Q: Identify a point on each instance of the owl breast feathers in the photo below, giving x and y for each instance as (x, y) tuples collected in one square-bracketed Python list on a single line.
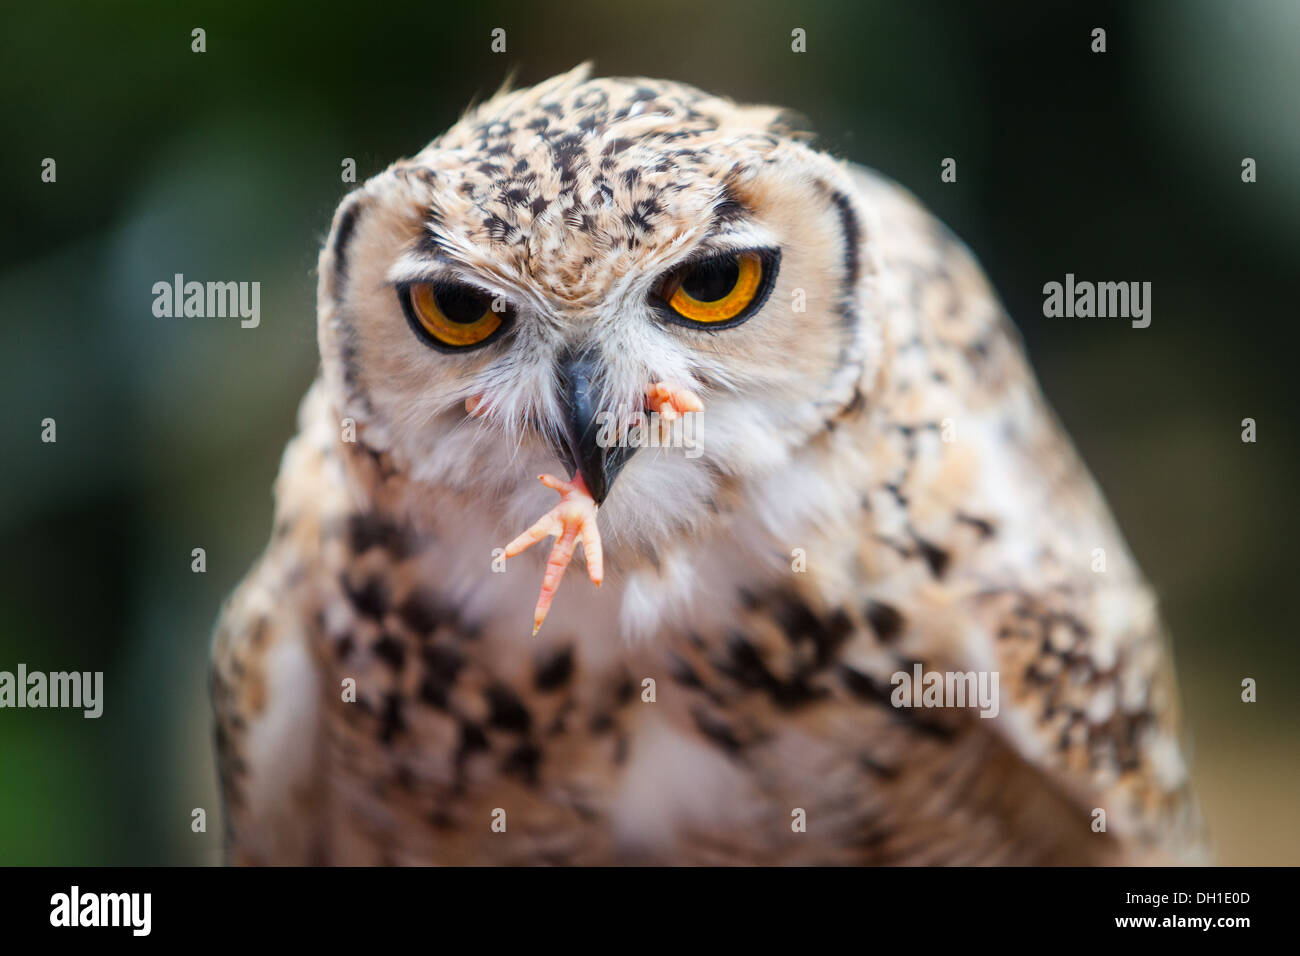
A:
[(851, 606)]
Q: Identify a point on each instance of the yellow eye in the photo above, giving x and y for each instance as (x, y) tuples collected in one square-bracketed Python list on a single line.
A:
[(454, 316), (719, 290)]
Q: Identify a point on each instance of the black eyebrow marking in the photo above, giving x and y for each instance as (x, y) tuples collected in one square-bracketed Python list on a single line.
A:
[(729, 210), (430, 247)]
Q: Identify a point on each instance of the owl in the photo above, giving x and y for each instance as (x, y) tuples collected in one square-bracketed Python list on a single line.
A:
[(853, 597)]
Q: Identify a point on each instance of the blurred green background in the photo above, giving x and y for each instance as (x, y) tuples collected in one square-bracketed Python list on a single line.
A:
[(225, 165)]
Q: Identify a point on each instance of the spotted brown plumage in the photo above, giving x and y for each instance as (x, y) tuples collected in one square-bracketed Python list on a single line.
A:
[(879, 486)]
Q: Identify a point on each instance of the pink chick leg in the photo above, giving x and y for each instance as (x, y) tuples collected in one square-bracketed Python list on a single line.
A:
[(670, 401), (572, 520)]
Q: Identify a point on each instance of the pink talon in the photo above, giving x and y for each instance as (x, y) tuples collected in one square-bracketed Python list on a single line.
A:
[(574, 518), (571, 521), (670, 401)]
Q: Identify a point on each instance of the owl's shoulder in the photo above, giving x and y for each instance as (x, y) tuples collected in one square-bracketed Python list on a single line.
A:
[(264, 662), (989, 544)]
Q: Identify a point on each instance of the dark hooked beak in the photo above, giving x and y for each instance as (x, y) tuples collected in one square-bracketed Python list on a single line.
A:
[(582, 404)]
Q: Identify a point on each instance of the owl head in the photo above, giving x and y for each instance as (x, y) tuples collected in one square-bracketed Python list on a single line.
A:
[(496, 305)]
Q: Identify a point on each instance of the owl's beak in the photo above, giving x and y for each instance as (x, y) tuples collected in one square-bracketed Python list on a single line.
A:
[(598, 462)]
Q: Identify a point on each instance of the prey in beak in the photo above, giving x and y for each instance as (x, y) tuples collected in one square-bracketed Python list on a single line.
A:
[(595, 467)]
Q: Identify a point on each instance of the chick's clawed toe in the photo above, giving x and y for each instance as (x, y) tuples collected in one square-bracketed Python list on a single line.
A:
[(670, 401), (574, 518), (571, 521)]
